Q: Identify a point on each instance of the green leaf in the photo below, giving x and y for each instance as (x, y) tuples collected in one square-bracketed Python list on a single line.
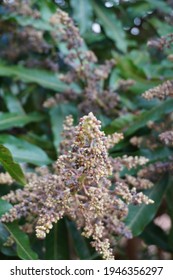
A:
[(9, 120), (161, 5), (154, 235), (82, 11), (4, 234), (161, 27), (43, 78), (23, 151), (13, 103), (130, 123), (4, 207), (8, 251), (10, 166), (169, 199), (139, 216), (57, 117), (39, 24), (24, 250), (57, 247), (79, 242), (47, 9), (158, 154), (120, 123), (154, 114), (129, 70), (138, 9), (112, 26)]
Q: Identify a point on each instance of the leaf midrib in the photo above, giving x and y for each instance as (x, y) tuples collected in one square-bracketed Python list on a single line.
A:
[(24, 118), (140, 210), (19, 73), (105, 19), (18, 242)]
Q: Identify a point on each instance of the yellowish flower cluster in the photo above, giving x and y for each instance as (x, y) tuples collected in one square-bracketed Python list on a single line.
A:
[(80, 188), (161, 92)]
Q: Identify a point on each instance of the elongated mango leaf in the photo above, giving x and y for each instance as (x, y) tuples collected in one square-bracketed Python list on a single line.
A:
[(150, 115), (24, 250), (163, 6), (13, 103), (23, 151), (139, 216), (162, 28), (39, 24), (131, 123), (154, 235), (120, 123), (9, 120), (159, 154), (10, 166), (43, 78), (56, 244), (6, 250), (57, 117), (47, 9), (79, 242), (4, 207), (82, 11), (129, 70), (111, 25), (169, 199)]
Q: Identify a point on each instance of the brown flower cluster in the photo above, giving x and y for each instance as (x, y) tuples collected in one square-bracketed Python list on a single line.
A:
[(167, 138), (153, 171), (80, 188), (161, 92), (161, 43), (22, 7), (6, 179), (83, 69), (33, 39), (156, 170)]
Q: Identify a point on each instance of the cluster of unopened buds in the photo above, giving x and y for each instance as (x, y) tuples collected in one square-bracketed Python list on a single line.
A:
[(96, 97), (161, 92), (83, 188)]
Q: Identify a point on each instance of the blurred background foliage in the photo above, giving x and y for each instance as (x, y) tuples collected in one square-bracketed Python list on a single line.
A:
[(32, 61)]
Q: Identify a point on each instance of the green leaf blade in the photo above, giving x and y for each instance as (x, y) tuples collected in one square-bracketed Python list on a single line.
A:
[(57, 117), (46, 79), (82, 14), (24, 151), (10, 120), (139, 216), (112, 26), (150, 115), (56, 243), (79, 242), (13, 103), (10, 166), (154, 235), (24, 250)]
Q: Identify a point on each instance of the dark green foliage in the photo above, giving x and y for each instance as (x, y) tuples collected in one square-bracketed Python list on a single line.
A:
[(30, 134), (10, 166), (140, 216), (23, 248)]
